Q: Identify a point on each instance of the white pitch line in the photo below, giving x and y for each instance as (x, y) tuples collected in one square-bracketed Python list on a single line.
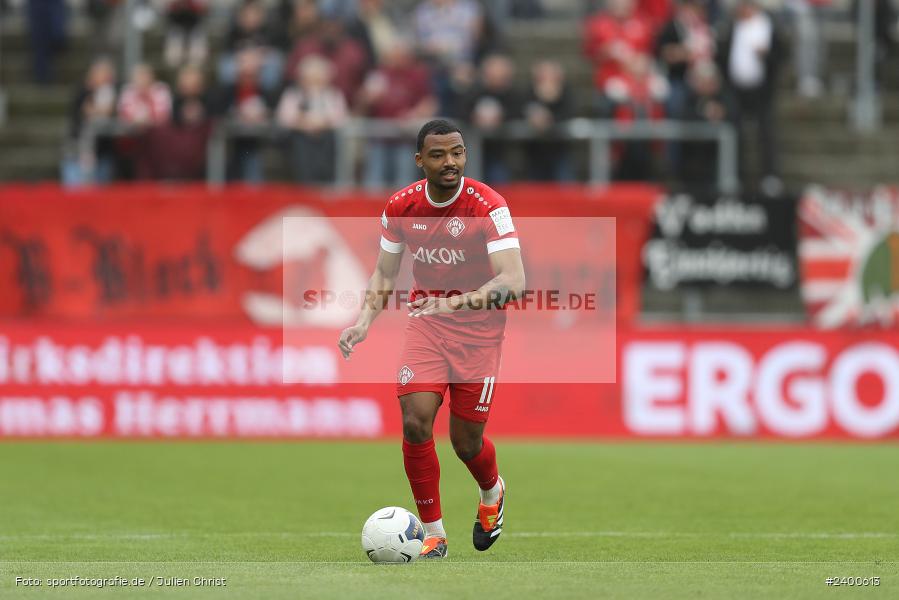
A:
[(452, 563), (514, 534), (822, 536)]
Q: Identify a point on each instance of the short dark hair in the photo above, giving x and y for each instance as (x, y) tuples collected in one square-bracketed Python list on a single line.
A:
[(436, 127)]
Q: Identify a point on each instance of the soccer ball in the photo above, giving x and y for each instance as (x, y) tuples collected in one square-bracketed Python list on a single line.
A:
[(392, 535)]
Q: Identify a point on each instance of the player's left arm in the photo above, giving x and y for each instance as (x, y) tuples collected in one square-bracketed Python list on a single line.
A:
[(507, 285)]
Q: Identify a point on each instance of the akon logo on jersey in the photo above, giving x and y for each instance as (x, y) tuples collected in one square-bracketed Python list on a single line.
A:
[(444, 256)]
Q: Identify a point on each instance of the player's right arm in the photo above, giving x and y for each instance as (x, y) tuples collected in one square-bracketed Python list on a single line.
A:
[(380, 287)]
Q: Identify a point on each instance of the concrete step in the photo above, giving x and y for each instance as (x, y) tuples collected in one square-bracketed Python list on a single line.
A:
[(34, 131), (35, 100), (855, 150), (30, 163), (841, 136), (839, 172)]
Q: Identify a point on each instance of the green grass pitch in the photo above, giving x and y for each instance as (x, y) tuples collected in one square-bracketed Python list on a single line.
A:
[(710, 520)]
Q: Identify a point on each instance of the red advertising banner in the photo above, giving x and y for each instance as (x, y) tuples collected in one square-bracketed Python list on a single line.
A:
[(790, 383), (223, 382), (189, 252), (227, 382)]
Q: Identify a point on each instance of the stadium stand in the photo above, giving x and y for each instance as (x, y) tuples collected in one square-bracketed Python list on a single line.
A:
[(816, 135)]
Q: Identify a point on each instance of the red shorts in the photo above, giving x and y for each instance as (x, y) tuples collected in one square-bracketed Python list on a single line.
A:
[(432, 364)]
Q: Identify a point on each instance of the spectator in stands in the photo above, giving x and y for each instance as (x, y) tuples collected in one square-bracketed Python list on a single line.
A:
[(250, 28), (90, 159), (47, 27), (145, 102), (186, 37), (685, 40), (749, 57), (108, 26), (809, 49), (375, 28), (311, 110), (885, 31), (247, 102), (549, 101), (346, 56), (301, 19), (705, 104), (619, 43), (655, 12), (192, 104), (494, 102), (177, 150), (400, 88), (448, 33)]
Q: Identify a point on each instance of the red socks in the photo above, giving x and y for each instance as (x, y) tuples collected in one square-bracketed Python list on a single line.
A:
[(483, 466), (423, 471)]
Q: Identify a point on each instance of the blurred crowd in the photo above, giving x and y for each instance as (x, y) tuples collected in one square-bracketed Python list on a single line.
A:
[(303, 68)]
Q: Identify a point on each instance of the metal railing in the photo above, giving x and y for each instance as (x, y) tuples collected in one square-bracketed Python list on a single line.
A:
[(599, 135), (865, 111), (2, 93)]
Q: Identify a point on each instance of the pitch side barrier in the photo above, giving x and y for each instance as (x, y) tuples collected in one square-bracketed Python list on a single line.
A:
[(599, 135), (143, 381)]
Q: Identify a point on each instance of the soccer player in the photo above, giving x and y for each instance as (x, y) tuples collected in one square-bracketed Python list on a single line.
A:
[(467, 266)]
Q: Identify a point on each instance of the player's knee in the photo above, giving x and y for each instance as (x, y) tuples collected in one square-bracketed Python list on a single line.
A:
[(466, 446), (416, 429)]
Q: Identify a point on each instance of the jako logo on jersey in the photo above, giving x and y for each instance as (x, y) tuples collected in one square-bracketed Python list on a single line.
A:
[(406, 375), (420, 226), (455, 226), (441, 256)]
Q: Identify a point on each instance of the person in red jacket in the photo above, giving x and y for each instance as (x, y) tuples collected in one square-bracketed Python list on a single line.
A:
[(400, 89), (619, 41)]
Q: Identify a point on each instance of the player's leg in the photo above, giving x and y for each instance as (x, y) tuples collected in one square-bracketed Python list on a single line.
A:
[(471, 401), (479, 455), (422, 466)]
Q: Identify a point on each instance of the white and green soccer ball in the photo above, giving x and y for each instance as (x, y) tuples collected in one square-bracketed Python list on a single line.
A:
[(393, 535)]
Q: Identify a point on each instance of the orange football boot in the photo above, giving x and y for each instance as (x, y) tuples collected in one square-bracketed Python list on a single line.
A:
[(433, 547), (489, 524)]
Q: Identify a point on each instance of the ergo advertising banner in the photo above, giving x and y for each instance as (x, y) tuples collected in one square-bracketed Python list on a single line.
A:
[(117, 382)]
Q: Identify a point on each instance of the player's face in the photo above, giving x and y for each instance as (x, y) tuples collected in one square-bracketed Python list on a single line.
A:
[(443, 159)]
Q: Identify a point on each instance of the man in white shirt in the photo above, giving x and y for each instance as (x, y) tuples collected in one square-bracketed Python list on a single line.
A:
[(749, 56)]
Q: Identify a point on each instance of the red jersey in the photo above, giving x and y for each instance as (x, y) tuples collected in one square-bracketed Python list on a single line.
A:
[(603, 30), (450, 242)]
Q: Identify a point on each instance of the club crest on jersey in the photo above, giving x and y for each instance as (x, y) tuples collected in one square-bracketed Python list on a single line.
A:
[(405, 375), (455, 226)]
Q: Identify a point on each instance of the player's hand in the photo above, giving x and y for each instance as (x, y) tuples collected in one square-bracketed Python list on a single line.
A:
[(430, 305), (349, 337)]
